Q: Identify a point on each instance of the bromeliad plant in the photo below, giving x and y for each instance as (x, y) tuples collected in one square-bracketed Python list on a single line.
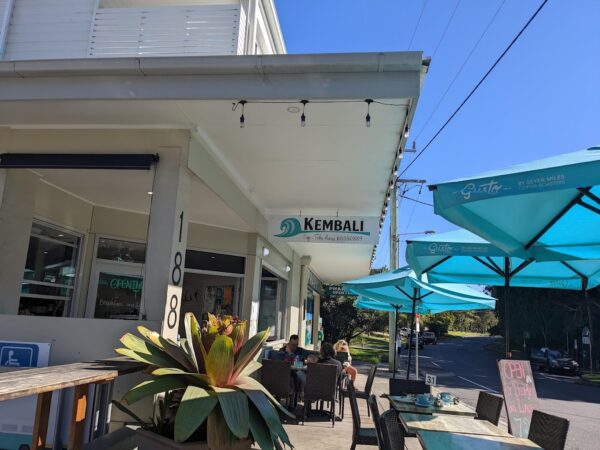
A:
[(213, 365)]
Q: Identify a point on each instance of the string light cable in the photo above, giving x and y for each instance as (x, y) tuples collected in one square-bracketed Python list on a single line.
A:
[(490, 70)]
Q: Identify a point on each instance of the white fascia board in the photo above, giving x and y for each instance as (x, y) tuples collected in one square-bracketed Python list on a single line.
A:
[(274, 77)]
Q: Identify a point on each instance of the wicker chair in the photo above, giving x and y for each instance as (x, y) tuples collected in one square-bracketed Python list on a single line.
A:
[(489, 407), (392, 431), (321, 384), (548, 431), (360, 436), (404, 387), (360, 394), (341, 357), (276, 376), (374, 408)]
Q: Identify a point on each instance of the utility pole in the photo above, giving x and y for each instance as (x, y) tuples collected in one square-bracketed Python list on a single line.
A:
[(393, 266)]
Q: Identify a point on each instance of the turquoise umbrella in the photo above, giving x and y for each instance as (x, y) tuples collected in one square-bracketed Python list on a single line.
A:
[(463, 257), (401, 289), (547, 209)]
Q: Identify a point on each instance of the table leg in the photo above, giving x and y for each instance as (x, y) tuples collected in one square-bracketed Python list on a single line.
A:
[(42, 415), (78, 417)]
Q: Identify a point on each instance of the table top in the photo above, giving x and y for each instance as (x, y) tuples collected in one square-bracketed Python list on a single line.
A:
[(23, 383), (449, 423), (460, 410), (439, 440)]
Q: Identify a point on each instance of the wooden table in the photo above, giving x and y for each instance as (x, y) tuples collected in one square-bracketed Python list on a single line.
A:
[(439, 440), (43, 381), (449, 423), (460, 410)]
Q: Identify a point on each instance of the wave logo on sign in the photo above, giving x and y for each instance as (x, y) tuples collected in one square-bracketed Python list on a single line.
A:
[(291, 226)]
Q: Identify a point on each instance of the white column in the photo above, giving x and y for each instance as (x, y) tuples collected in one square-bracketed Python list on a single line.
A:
[(167, 241), (17, 200), (304, 276)]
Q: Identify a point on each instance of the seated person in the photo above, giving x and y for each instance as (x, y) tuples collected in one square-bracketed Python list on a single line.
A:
[(292, 349), (327, 354), (342, 346)]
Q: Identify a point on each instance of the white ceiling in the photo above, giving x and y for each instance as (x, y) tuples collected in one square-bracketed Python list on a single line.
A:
[(128, 190), (334, 165)]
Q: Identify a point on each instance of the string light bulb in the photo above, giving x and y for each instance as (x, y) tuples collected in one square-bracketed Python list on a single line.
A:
[(303, 116), (242, 118), (406, 131), (368, 116)]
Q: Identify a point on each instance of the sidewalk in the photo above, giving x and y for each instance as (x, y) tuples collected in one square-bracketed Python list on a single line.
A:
[(317, 433)]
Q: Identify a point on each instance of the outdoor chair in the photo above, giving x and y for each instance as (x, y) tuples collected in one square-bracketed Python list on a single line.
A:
[(489, 407), (392, 431), (342, 357), (276, 355), (360, 394), (548, 431), (360, 436), (321, 384), (276, 377), (374, 408), (400, 387)]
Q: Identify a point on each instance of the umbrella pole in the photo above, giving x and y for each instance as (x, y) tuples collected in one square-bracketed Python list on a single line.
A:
[(412, 321), (395, 340), (589, 314), (506, 308)]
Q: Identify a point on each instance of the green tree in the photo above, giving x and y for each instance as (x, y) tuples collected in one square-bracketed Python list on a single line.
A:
[(342, 320)]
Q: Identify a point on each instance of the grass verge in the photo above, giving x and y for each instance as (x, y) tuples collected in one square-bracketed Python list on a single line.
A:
[(592, 378), (369, 349)]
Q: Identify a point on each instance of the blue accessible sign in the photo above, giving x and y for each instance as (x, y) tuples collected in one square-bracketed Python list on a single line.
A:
[(16, 354)]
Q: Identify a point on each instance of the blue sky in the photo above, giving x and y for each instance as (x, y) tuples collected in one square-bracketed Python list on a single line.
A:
[(543, 99)]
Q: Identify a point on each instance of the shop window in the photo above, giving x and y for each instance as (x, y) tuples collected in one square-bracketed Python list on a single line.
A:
[(50, 271), (214, 262), (272, 304), (117, 281)]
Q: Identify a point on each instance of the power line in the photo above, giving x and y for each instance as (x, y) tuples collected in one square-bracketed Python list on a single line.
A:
[(445, 30), (417, 201), (417, 24), (457, 74), (476, 87)]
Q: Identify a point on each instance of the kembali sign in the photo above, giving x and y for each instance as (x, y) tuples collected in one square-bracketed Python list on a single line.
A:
[(325, 229)]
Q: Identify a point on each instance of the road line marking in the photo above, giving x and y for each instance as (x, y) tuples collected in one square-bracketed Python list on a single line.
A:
[(480, 385), (435, 364)]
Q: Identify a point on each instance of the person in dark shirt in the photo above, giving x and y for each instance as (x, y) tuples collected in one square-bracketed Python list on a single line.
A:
[(327, 354), (293, 349)]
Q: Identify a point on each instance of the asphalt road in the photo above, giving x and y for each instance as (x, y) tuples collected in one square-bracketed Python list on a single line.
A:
[(466, 367)]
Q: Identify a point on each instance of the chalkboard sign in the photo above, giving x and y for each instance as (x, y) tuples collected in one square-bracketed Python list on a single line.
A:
[(520, 396)]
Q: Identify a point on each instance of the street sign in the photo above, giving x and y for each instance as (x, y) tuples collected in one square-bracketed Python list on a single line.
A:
[(585, 336), (430, 380)]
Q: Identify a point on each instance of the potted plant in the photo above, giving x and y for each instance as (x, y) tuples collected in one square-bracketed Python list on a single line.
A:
[(209, 389)]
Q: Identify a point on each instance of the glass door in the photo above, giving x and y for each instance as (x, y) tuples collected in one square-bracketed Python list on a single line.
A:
[(117, 291)]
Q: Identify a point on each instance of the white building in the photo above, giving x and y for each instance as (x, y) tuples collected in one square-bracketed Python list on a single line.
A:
[(179, 197)]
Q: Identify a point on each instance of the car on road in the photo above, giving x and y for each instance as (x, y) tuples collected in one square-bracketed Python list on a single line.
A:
[(414, 340), (550, 360), (429, 337)]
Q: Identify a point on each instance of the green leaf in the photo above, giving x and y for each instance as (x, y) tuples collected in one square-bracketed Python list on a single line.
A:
[(130, 413), (252, 367), (189, 354), (219, 362), (234, 406), (192, 332), (268, 413), (150, 336), (140, 345), (259, 429), (199, 378), (152, 360), (219, 435), (246, 383), (249, 351), (152, 387), (196, 404)]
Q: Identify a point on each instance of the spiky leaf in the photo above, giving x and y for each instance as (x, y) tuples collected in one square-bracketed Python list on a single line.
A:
[(259, 429), (196, 378), (152, 387), (152, 360), (248, 351), (196, 404), (219, 362), (218, 433), (268, 413), (247, 383), (252, 367), (234, 406)]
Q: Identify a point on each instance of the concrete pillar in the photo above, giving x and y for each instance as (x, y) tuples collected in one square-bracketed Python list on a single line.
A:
[(316, 315), (167, 241), (252, 276), (304, 276), (17, 199), (293, 296)]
